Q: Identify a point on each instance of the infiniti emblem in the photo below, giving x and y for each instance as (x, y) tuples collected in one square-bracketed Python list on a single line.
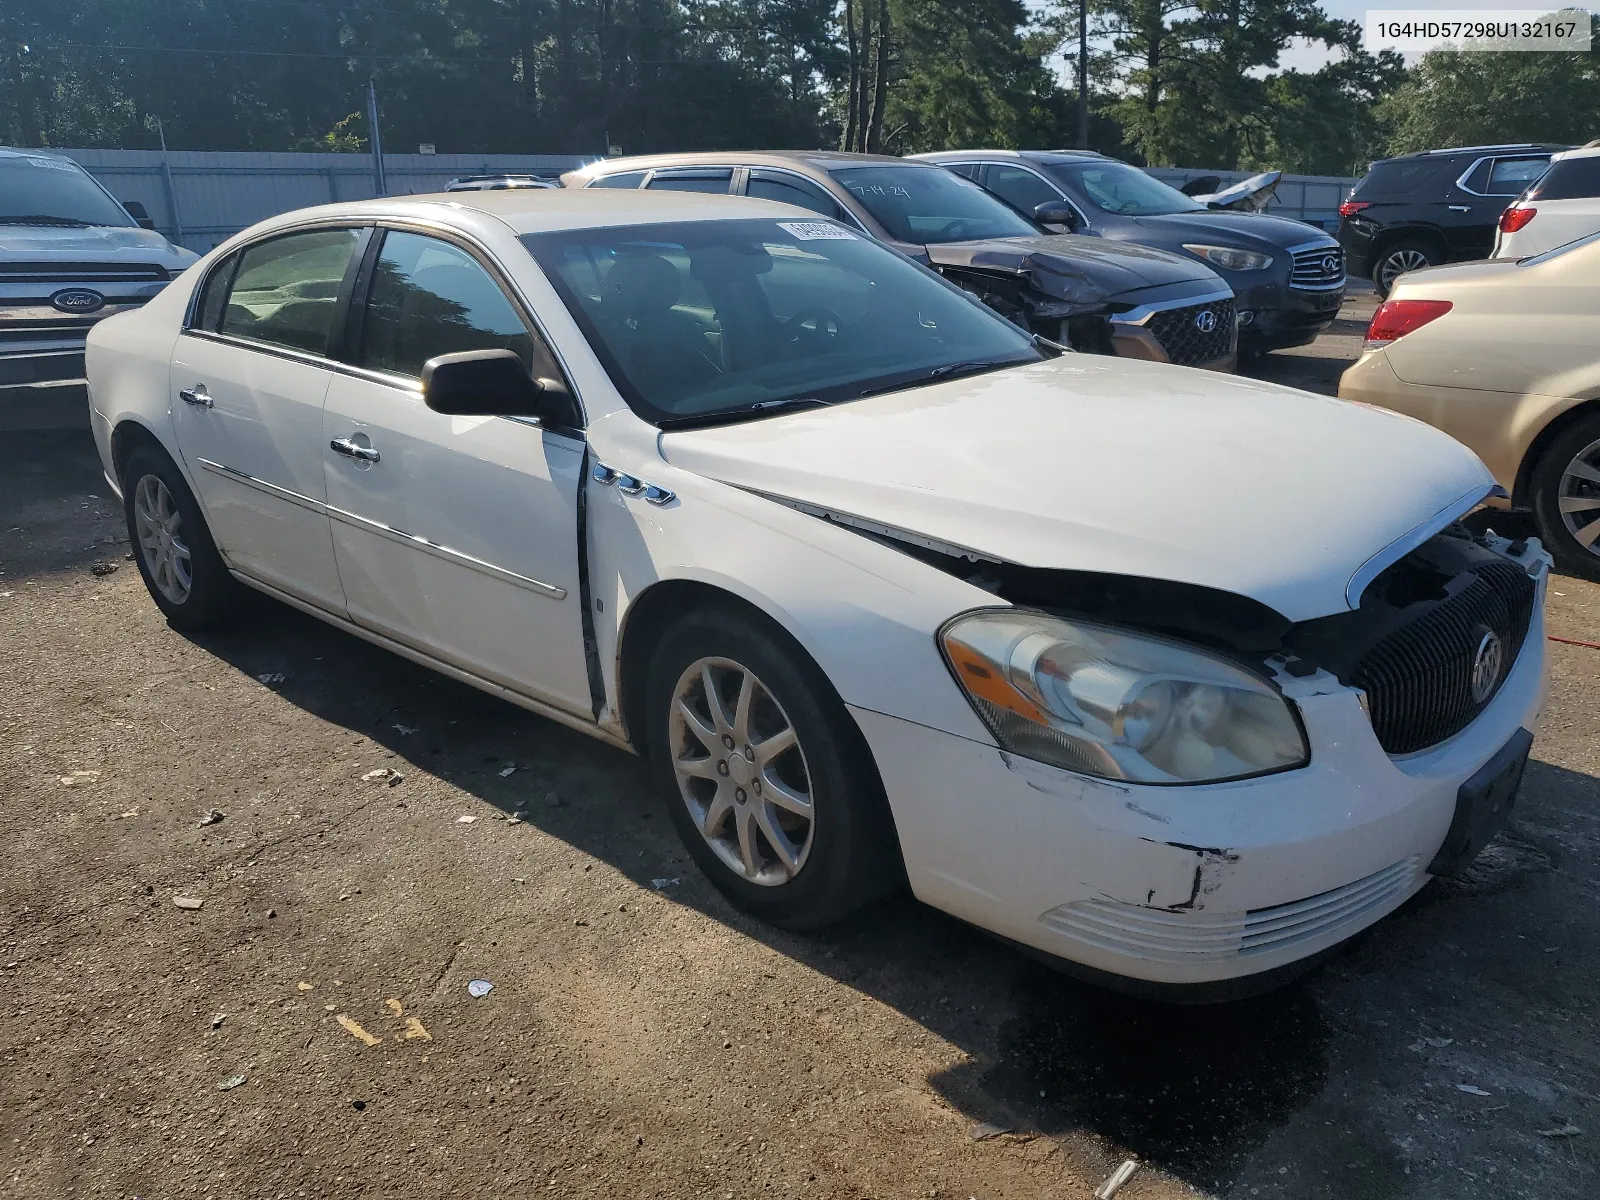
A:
[(78, 300), (1486, 665), (1205, 321), (1330, 264)]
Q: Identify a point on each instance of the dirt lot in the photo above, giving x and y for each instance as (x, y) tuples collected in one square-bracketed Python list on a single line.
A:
[(641, 1038)]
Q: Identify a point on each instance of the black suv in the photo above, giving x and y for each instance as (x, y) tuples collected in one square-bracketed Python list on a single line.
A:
[(1435, 206)]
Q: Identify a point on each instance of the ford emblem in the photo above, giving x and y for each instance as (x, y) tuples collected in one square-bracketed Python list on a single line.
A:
[(78, 300), (1331, 264), (1205, 321)]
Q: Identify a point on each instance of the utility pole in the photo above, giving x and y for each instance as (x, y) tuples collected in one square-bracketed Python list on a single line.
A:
[(379, 182), (1083, 74)]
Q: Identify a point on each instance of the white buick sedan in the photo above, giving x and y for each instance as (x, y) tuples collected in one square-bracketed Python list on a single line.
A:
[(1178, 678)]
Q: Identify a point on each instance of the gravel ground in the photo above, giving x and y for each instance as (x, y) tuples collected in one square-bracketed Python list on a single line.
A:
[(642, 1038)]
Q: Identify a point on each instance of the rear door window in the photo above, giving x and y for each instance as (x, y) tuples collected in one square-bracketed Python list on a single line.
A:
[(1569, 179), (711, 180), (790, 189), (429, 297), (286, 291)]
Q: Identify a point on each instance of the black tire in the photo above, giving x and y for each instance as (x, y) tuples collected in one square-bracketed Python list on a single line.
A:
[(1407, 254), (852, 853), (212, 593), (1582, 439)]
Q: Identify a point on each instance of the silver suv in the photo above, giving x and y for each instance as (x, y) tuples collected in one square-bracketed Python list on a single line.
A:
[(70, 255)]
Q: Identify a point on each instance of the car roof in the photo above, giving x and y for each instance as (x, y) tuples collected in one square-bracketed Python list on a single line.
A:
[(1580, 152), (1046, 156), (540, 210), (1507, 147), (819, 159)]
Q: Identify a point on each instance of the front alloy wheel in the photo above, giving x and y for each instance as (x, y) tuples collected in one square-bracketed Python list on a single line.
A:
[(741, 771), (159, 527)]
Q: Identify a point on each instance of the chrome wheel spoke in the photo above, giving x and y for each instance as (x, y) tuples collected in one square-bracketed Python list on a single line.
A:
[(745, 819), (770, 748), (706, 735), (1588, 535), (741, 709), (1572, 504), (716, 813), (1578, 469), (714, 705), (783, 796), (788, 854), (697, 768)]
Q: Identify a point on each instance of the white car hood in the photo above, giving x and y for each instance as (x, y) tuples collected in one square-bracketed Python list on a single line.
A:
[(1101, 464), (101, 243)]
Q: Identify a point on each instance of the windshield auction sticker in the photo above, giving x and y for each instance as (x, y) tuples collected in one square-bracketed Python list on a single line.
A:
[(1418, 30), (816, 231)]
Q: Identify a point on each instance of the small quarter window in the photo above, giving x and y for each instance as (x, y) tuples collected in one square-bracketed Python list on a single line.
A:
[(286, 291), (622, 179), (208, 312), (1509, 176), (430, 297)]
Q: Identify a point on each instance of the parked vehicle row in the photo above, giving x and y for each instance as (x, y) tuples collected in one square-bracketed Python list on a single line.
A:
[(1436, 206), (1088, 293), (885, 587)]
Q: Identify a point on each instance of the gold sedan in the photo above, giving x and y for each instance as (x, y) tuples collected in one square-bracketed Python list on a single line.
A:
[(1505, 357)]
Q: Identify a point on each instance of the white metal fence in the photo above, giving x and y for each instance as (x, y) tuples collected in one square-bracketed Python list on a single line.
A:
[(198, 198)]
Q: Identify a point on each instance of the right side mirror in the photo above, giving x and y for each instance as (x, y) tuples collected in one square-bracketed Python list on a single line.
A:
[(139, 213), (494, 383), (1058, 212)]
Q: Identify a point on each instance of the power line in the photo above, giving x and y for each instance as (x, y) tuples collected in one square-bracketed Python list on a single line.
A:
[(420, 56)]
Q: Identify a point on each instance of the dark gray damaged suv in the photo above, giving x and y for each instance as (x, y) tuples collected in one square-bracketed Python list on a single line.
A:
[(1287, 277)]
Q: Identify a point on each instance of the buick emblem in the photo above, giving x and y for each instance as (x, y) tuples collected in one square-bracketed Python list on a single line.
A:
[(78, 300), (1486, 666), (1330, 264), (1205, 321)]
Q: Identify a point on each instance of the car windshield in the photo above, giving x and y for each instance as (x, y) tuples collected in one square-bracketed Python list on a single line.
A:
[(36, 190), (704, 321), (929, 205), (1116, 187)]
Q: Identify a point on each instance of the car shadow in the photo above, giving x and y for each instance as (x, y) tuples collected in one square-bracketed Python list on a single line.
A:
[(1197, 1091)]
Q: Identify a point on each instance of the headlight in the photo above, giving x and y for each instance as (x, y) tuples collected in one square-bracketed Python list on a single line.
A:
[(1117, 704), (1231, 259)]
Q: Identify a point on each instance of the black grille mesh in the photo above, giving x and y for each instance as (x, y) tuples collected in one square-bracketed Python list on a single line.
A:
[(67, 273), (1185, 343), (1418, 679)]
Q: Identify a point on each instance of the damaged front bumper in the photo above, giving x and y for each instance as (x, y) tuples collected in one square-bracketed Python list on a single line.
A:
[(1190, 885)]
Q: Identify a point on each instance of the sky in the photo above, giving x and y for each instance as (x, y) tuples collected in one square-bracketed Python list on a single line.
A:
[(1310, 57)]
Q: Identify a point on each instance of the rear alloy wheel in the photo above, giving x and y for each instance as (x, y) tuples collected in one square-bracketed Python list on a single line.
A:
[(768, 781), (1566, 498), (177, 559), (1396, 261)]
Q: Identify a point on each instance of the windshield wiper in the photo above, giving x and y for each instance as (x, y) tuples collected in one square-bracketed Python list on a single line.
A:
[(44, 219), (949, 371), (762, 408)]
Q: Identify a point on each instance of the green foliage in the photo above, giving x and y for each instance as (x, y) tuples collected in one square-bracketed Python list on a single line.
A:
[(1461, 99)]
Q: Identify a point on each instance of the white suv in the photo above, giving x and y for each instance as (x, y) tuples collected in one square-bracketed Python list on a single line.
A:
[(1561, 206)]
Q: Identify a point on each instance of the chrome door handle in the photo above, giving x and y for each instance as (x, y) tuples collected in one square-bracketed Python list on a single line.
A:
[(1460, 207), (197, 396), (349, 449)]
